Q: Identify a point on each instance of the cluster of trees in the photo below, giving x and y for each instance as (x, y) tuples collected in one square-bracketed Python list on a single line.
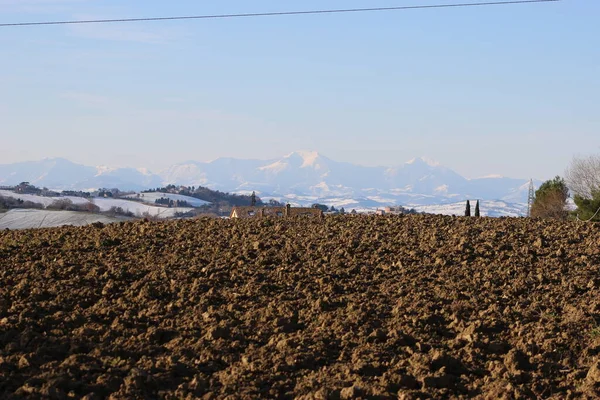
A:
[(110, 193), (582, 182), (27, 188), (165, 201), (172, 189), (275, 203), (106, 193), (328, 209), (409, 211), (68, 205), (114, 211), (76, 193), (8, 203), (219, 199)]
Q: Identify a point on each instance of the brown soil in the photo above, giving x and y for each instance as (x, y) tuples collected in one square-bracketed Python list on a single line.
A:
[(348, 307)]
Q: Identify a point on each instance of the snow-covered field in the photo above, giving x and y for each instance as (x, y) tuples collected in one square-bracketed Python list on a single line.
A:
[(150, 198), (45, 201), (105, 204), (28, 218), (138, 209)]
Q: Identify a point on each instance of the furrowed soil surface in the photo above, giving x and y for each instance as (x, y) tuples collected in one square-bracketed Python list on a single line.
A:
[(347, 307)]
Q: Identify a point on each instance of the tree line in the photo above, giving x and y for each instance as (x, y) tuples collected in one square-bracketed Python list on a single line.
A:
[(209, 195)]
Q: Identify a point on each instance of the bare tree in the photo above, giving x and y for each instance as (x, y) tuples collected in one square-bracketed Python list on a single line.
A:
[(583, 176)]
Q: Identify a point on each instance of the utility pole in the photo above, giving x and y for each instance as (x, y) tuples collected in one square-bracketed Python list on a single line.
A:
[(530, 198)]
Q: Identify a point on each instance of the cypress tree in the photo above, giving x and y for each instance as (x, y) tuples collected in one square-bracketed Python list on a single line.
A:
[(253, 199), (477, 209), (468, 209)]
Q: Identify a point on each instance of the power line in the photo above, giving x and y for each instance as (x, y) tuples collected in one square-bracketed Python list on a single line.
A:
[(273, 14), (591, 218)]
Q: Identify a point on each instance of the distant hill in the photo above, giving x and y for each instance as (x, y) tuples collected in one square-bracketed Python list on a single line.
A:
[(210, 200), (155, 197)]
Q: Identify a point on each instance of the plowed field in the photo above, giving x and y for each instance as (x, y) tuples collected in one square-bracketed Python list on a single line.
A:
[(347, 307)]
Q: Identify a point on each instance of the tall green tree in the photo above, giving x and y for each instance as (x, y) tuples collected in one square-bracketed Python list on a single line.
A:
[(468, 209), (551, 200), (477, 214), (587, 208)]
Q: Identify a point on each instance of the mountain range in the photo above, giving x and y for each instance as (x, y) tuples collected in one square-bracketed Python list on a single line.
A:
[(300, 177)]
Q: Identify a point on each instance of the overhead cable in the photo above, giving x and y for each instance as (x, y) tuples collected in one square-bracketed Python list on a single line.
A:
[(273, 14)]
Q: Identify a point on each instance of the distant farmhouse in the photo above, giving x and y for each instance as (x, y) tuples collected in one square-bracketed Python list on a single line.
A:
[(263, 212), (398, 210)]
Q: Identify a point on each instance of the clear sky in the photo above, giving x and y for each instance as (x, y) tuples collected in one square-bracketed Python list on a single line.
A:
[(511, 90)]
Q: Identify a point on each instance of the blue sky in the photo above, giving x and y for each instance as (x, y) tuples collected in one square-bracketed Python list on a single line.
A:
[(511, 90)]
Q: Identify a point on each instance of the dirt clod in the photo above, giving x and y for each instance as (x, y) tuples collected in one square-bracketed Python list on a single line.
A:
[(351, 392), (593, 375)]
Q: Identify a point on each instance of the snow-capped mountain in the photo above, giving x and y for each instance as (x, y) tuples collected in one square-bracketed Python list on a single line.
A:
[(418, 181), (53, 172), (58, 173), (300, 177)]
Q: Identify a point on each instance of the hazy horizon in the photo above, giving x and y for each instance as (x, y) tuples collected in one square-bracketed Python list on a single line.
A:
[(507, 90), (427, 160)]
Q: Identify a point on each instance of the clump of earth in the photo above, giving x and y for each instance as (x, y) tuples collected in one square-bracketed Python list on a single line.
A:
[(342, 308)]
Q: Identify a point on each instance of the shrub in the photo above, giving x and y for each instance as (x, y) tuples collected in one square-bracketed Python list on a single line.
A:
[(114, 211), (551, 200), (62, 204)]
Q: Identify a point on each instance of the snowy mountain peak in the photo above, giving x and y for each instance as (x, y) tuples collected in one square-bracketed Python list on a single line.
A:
[(276, 167), (492, 176), (144, 171), (103, 169), (57, 160), (423, 160), (296, 160), (309, 158)]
